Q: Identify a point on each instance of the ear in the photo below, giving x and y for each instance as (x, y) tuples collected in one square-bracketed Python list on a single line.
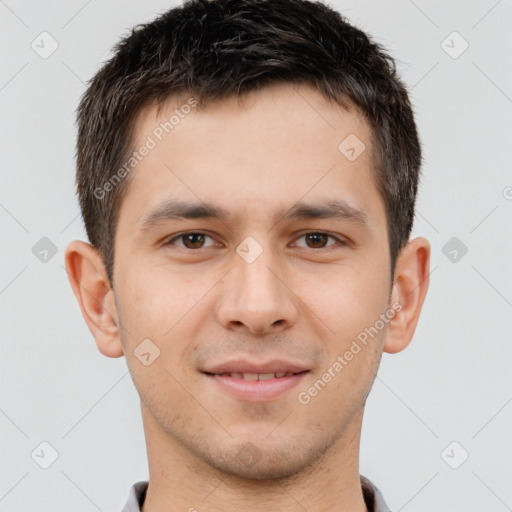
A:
[(90, 284), (408, 294)]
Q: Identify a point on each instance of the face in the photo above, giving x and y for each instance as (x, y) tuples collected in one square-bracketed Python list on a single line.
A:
[(250, 246)]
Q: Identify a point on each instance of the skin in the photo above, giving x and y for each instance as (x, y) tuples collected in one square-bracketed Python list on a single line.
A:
[(302, 300)]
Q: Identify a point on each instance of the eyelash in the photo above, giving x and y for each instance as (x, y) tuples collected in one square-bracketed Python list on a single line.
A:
[(341, 242)]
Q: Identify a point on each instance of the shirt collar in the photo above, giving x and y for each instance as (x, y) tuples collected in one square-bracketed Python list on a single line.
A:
[(372, 497)]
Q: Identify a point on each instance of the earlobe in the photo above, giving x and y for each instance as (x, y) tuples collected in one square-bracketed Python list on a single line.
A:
[(408, 294), (90, 284)]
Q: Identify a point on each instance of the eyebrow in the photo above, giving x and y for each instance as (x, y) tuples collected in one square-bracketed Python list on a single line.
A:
[(335, 209), (179, 210)]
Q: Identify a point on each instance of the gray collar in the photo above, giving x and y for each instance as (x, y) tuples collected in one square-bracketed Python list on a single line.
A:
[(372, 496)]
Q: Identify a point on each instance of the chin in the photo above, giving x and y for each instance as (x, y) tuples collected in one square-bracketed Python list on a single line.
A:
[(255, 462), (260, 471)]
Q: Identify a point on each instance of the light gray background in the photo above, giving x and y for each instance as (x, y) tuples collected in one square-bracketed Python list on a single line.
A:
[(451, 384)]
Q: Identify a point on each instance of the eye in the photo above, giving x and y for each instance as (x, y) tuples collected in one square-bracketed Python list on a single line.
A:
[(196, 240), (191, 240), (318, 239)]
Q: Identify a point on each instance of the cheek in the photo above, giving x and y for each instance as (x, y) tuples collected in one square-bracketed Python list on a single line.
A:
[(153, 300), (156, 323), (163, 308), (351, 299)]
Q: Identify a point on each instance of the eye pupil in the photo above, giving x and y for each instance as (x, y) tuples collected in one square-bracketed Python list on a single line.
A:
[(315, 237), (197, 240)]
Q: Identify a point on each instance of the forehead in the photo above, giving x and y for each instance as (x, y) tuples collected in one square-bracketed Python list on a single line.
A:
[(256, 155)]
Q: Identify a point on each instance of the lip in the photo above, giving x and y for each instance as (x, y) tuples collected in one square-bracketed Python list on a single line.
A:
[(257, 390), (242, 366)]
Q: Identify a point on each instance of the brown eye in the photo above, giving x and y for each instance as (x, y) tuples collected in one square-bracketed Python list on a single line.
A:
[(191, 240), (318, 240)]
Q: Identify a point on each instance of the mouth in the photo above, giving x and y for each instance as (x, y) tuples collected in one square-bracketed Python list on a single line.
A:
[(255, 376), (256, 383)]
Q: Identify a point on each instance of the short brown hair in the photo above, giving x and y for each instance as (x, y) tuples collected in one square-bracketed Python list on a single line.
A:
[(213, 49)]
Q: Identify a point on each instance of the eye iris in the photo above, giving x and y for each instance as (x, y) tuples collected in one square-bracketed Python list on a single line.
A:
[(315, 238), (197, 240)]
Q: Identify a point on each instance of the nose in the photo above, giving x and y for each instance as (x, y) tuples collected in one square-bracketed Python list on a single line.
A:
[(256, 298)]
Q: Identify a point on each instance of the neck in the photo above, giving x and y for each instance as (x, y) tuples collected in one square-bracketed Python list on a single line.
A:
[(179, 481)]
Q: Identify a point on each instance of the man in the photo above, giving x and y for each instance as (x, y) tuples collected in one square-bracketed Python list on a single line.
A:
[(247, 173)]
